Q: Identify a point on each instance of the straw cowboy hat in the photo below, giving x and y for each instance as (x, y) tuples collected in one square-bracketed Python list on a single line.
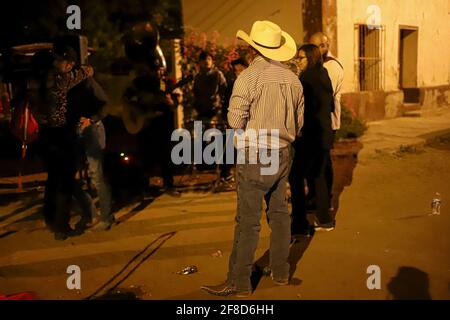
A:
[(272, 42)]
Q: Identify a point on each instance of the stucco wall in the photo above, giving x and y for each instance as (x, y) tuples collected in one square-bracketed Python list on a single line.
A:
[(227, 16), (374, 105), (431, 17)]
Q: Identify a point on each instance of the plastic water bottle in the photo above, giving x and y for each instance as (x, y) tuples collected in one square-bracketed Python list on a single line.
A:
[(436, 205)]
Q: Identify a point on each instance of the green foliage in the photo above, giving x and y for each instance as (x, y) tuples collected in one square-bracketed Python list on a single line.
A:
[(352, 126)]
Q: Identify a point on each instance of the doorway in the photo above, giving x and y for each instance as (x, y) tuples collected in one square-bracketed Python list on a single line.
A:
[(409, 40)]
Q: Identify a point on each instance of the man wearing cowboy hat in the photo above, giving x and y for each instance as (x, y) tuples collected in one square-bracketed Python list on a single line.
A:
[(267, 97)]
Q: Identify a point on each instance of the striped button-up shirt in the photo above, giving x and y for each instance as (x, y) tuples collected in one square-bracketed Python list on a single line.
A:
[(267, 96)]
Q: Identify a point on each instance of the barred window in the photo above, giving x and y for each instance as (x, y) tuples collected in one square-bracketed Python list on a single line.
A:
[(370, 51)]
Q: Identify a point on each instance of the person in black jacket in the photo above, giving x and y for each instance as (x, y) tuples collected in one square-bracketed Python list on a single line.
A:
[(312, 149), (209, 88), (54, 76), (86, 102)]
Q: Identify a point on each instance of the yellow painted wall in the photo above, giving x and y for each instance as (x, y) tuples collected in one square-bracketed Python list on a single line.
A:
[(432, 17), (228, 16)]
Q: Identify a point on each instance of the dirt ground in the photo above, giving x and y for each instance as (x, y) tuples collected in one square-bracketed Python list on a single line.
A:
[(382, 216)]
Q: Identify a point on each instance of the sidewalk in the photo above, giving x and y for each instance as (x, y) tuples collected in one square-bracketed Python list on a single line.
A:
[(390, 135)]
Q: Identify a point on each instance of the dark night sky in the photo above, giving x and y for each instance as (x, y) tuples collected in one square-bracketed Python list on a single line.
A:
[(25, 21)]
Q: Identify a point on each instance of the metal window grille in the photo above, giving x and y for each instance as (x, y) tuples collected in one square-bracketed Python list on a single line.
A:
[(370, 52)]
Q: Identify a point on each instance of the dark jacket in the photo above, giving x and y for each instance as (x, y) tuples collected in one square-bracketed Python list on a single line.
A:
[(209, 90), (87, 99), (319, 103)]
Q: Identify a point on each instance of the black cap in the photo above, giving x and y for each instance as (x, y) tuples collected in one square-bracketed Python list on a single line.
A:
[(204, 54), (239, 61)]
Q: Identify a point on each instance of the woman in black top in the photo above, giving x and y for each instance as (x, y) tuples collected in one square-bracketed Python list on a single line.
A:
[(54, 77), (312, 149)]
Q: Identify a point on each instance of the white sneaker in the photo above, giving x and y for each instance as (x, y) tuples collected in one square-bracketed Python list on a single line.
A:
[(325, 227)]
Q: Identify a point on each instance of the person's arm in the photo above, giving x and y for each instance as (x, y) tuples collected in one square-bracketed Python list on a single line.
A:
[(300, 111), (323, 92), (222, 84), (336, 116), (100, 97), (71, 79), (336, 74), (84, 123), (196, 90), (240, 101)]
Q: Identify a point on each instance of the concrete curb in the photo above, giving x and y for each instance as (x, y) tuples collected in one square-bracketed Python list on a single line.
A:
[(403, 134)]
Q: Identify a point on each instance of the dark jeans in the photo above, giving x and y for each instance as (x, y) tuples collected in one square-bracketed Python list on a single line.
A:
[(103, 190), (155, 148), (84, 199), (93, 144), (329, 171), (59, 154), (309, 163), (252, 188), (329, 176)]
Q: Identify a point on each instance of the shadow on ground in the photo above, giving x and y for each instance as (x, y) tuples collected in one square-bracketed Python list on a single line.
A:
[(262, 269), (128, 270), (410, 284), (345, 159)]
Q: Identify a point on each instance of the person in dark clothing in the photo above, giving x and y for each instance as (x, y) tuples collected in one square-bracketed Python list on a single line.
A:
[(161, 129), (86, 102), (336, 73), (312, 149), (48, 93), (148, 97), (209, 88), (237, 65)]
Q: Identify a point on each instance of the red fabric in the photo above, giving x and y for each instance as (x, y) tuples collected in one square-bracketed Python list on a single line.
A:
[(23, 117), (20, 296)]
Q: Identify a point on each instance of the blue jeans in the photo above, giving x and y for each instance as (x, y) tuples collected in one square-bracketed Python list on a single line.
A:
[(252, 188), (84, 199), (93, 141)]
